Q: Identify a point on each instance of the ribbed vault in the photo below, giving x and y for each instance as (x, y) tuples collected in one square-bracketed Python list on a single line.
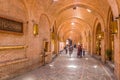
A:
[(82, 13)]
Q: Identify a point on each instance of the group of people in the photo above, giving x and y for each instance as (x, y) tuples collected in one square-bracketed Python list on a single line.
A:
[(70, 48), (80, 50)]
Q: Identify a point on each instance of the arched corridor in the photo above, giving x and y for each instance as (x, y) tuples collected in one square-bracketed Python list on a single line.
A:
[(34, 32)]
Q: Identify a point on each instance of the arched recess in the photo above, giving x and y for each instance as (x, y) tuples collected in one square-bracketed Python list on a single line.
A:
[(54, 39), (93, 32), (112, 30), (44, 32), (98, 39)]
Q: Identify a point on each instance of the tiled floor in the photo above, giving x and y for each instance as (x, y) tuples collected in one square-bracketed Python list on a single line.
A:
[(65, 67)]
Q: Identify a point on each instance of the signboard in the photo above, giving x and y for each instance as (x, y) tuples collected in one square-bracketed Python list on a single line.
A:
[(10, 25)]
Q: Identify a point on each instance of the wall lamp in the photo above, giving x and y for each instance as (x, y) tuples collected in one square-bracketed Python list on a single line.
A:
[(35, 29), (114, 29)]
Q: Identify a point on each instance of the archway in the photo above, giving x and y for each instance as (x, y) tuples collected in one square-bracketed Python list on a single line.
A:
[(112, 28), (44, 32), (44, 29), (98, 39)]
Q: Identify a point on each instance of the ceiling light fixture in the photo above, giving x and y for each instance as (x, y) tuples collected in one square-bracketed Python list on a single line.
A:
[(73, 23), (95, 66), (55, 0), (72, 59), (89, 10)]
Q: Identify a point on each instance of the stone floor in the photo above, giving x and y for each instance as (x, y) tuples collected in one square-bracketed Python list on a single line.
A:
[(65, 67)]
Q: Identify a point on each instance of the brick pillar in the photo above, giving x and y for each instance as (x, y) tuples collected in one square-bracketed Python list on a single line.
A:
[(117, 52), (117, 59), (106, 41), (103, 50), (92, 44), (56, 44), (89, 44), (91, 51)]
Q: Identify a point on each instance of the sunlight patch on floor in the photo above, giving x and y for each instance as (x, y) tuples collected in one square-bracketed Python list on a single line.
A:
[(30, 78), (72, 66), (95, 66), (72, 59), (86, 58)]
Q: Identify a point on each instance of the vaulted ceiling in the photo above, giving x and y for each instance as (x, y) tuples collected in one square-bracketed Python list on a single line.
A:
[(72, 17)]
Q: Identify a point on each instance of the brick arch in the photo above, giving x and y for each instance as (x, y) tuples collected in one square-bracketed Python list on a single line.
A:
[(110, 18), (82, 5), (60, 26), (94, 33), (30, 6), (73, 30), (58, 32), (26, 9), (45, 15), (78, 4), (96, 27), (78, 36), (44, 26), (114, 4)]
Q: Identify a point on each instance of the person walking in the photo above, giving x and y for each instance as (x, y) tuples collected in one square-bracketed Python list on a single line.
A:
[(70, 50), (83, 51), (79, 52), (65, 49), (74, 45)]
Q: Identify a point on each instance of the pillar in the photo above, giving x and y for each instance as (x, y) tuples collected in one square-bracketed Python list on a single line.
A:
[(117, 52), (103, 50)]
